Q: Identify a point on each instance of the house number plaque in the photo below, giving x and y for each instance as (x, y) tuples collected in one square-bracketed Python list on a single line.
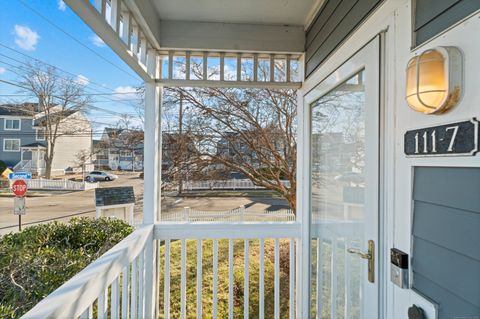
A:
[(454, 139)]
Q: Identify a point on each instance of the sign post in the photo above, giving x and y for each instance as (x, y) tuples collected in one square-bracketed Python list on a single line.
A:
[(19, 188)]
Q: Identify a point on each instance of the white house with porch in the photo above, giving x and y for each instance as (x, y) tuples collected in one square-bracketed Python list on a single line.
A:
[(396, 81)]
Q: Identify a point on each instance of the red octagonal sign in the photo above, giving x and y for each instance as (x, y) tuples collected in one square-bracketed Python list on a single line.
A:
[(19, 188)]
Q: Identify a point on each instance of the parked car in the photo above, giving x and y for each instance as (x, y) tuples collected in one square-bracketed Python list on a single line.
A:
[(100, 176)]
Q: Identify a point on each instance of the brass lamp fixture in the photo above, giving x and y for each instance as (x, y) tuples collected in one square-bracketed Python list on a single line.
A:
[(434, 80)]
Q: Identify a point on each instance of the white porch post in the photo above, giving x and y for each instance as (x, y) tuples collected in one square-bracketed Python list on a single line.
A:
[(303, 209), (152, 171), (152, 156)]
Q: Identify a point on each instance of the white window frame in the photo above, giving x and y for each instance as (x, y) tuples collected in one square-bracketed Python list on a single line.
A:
[(12, 139), (36, 134), (12, 119)]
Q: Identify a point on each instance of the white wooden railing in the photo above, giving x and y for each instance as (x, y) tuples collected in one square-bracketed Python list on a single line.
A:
[(239, 214), (233, 184), (118, 284), (248, 234), (60, 184), (122, 283)]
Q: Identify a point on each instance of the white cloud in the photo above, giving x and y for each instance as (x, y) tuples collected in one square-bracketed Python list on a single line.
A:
[(61, 5), (125, 92), (2, 70), (82, 80), (97, 41), (25, 37)]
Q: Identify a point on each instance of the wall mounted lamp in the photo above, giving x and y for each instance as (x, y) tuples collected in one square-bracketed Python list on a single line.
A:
[(435, 80)]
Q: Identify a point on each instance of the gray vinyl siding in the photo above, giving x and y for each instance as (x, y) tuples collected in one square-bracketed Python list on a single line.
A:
[(27, 135), (446, 239), (434, 16), (335, 21)]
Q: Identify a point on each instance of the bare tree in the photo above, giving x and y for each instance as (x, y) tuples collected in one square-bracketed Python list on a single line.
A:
[(58, 98), (251, 131)]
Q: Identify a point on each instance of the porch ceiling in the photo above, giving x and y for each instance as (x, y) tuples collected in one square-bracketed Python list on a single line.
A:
[(276, 12)]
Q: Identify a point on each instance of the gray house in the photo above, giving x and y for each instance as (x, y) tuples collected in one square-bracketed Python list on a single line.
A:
[(23, 146)]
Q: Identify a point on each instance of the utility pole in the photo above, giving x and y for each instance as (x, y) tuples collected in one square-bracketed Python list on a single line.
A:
[(180, 139)]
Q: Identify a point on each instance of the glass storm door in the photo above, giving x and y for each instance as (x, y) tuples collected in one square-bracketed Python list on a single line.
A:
[(344, 145)]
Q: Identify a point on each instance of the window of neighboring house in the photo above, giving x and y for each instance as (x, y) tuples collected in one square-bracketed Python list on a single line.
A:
[(12, 124), (11, 145), (40, 134), (125, 154)]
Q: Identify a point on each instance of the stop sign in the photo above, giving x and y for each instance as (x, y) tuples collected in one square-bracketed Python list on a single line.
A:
[(19, 188)]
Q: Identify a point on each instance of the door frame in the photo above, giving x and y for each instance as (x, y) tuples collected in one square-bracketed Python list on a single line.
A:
[(382, 21), (367, 58)]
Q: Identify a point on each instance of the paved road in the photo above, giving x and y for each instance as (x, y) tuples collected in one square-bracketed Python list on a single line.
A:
[(65, 206)]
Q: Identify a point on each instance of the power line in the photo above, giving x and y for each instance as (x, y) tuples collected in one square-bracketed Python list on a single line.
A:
[(93, 94), (61, 98), (75, 39)]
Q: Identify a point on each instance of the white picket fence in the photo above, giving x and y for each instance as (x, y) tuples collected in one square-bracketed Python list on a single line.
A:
[(239, 214), (233, 184), (60, 184)]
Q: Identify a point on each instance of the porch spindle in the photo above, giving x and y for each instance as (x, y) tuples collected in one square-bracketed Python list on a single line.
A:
[(262, 280), (125, 291), (103, 304), (166, 284), (141, 285), (230, 278), (215, 278), (277, 280), (199, 279), (88, 313), (319, 277), (134, 287), (115, 296), (333, 280), (291, 284), (183, 281), (246, 280)]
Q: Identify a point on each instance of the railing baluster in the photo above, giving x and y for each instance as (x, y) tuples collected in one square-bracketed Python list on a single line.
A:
[(88, 313), (246, 279), (277, 280), (239, 67), (183, 281), (205, 65), (319, 278), (222, 66), (230, 278), (292, 280), (347, 265), (115, 296), (125, 291), (333, 289), (262, 280), (166, 287), (272, 68), (215, 278), (134, 288), (141, 285), (170, 65), (287, 75), (199, 279), (187, 65), (103, 304)]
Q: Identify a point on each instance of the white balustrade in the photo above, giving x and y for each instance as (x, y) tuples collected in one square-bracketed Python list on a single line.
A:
[(97, 287)]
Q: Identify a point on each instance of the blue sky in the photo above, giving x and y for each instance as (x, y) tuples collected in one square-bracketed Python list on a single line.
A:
[(25, 31)]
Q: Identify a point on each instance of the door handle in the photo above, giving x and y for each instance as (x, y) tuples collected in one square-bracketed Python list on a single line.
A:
[(370, 256)]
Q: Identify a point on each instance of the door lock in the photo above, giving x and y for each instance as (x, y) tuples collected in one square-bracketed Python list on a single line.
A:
[(370, 256)]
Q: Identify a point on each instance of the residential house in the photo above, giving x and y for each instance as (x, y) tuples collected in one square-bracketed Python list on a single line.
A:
[(119, 149), (23, 142), (399, 78)]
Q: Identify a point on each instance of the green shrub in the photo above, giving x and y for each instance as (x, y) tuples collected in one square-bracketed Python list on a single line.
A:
[(3, 166), (38, 260)]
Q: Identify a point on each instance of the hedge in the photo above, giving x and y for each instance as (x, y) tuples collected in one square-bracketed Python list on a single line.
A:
[(38, 260)]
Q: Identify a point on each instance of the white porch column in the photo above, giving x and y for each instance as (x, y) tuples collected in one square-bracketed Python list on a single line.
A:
[(152, 184), (303, 209), (152, 144)]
